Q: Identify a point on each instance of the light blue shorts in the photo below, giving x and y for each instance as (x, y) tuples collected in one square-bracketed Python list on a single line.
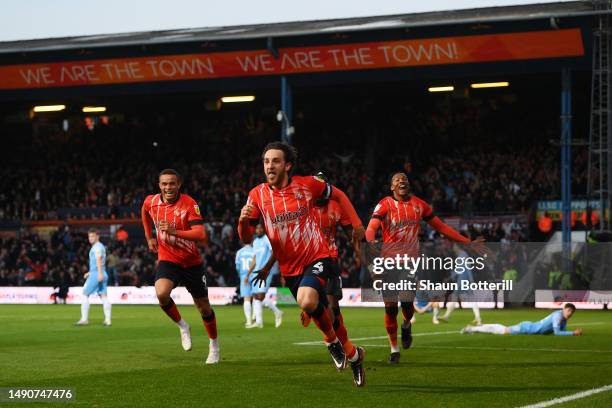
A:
[(245, 289), (93, 286), (256, 289)]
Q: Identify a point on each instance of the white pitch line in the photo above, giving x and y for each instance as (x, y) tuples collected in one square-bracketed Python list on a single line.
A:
[(550, 350), (375, 345), (414, 335), (554, 350), (494, 348), (572, 397), (318, 343)]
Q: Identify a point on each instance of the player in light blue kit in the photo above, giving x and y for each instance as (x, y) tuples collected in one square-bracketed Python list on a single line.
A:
[(245, 262), (459, 275), (263, 259), (553, 323), (97, 279), (425, 302)]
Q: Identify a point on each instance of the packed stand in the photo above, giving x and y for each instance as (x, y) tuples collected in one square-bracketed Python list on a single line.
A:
[(472, 161)]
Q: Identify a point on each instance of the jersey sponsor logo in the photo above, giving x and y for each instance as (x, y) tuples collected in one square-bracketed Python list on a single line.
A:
[(403, 223), (289, 215), (196, 209)]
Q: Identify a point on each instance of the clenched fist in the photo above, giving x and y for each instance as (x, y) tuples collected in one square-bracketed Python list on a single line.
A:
[(245, 213), (152, 244), (166, 227)]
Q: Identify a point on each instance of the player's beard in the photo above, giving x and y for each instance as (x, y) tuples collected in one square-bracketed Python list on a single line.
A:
[(277, 181)]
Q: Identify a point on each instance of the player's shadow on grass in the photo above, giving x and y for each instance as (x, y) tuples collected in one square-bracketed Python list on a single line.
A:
[(445, 389)]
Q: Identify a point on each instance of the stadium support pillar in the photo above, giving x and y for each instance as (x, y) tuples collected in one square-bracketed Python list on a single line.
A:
[(600, 137), (287, 109), (566, 166)]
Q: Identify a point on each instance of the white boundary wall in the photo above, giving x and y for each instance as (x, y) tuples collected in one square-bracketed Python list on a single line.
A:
[(131, 295)]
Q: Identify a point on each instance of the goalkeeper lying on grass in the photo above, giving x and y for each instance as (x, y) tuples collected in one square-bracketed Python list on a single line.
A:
[(553, 323)]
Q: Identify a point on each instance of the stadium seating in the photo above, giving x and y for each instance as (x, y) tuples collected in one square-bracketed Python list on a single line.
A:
[(106, 173)]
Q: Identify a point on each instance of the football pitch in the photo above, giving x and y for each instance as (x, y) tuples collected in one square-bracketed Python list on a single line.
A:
[(139, 362)]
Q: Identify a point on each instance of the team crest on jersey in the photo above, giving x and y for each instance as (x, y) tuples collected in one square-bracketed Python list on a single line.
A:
[(299, 195), (197, 209), (177, 213)]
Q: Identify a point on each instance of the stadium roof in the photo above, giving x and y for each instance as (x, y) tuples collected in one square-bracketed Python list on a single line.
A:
[(481, 15)]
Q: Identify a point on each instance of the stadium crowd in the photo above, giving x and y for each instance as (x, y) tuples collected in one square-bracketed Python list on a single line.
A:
[(465, 163), (32, 260), (106, 171)]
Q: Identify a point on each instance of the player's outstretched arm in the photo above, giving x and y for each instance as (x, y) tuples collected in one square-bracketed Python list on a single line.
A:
[(373, 227), (558, 330), (148, 230), (448, 231), (346, 207), (452, 234), (195, 233), (349, 211)]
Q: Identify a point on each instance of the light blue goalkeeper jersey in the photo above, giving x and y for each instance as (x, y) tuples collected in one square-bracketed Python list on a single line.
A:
[(553, 323)]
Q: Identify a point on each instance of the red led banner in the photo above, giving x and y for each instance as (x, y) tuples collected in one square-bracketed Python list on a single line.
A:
[(359, 56)]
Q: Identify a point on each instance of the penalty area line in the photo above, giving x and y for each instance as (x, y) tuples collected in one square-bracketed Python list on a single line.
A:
[(571, 397)]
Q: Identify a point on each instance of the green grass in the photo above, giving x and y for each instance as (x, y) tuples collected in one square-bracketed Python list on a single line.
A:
[(139, 362)]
